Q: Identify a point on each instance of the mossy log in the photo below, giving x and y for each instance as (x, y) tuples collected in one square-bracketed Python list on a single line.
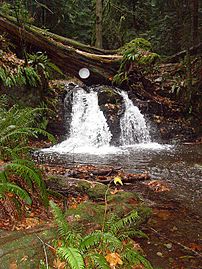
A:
[(68, 54)]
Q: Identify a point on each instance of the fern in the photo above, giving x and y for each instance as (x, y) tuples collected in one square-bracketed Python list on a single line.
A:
[(134, 257), (99, 261), (19, 77), (137, 52), (122, 223), (91, 240), (72, 256), (40, 61), (92, 248), (31, 75), (9, 187), (111, 241), (27, 171), (64, 230), (131, 233), (16, 126)]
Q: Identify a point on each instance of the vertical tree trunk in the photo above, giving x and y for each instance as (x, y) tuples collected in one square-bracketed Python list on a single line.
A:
[(195, 11), (98, 29)]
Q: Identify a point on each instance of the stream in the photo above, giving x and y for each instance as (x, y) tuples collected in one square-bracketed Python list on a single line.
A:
[(174, 230), (180, 166)]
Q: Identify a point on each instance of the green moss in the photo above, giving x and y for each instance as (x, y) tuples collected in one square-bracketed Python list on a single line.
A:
[(23, 249), (137, 43)]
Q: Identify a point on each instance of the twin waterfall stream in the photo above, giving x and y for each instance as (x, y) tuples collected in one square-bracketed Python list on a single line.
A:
[(90, 133)]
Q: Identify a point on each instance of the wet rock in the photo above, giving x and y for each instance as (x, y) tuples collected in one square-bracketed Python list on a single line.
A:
[(111, 103)]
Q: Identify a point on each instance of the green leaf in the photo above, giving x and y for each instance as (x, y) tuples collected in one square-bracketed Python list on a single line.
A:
[(9, 187), (91, 240), (99, 261), (72, 256)]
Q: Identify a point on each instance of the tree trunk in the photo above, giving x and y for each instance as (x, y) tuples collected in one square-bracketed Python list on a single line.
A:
[(68, 54), (98, 28), (195, 11)]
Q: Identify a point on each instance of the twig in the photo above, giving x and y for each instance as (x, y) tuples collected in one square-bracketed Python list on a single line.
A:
[(44, 249)]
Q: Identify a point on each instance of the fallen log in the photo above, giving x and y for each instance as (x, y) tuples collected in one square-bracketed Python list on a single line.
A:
[(68, 54), (75, 186), (126, 178)]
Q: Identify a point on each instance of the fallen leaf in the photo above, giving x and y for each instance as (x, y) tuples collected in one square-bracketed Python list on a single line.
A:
[(13, 265), (114, 259), (195, 247), (158, 186), (139, 266), (58, 264), (118, 180), (114, 191)]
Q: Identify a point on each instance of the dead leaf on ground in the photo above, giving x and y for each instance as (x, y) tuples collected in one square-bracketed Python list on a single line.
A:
[(13, 265), (195, 247), (114, 259), (58, 264), (158, 186), (139, 266)]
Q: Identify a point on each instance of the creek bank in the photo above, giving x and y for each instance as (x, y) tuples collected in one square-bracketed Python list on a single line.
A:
[(174, 229), (84, 210)]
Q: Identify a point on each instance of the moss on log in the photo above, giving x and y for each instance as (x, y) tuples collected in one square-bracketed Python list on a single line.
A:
[(68, 54)]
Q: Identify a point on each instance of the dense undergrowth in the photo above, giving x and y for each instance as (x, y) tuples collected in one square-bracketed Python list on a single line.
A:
[(19, 176)]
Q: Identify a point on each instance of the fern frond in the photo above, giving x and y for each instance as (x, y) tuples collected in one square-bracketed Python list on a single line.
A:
[(122, 223), (72, 256), (3, 177), (91, 240), (38, 131), (134, 257), (31, 76), (64, 230), (111, 241), (9, 187), (132, 233), (30, 174), (99, 261)]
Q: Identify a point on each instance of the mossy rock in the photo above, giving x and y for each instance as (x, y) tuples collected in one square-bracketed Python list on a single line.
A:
[(67, 185), (108, 95), (94, 191), (90, 214)]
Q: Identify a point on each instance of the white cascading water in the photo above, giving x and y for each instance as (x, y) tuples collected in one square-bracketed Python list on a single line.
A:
[(89, 129), (133, 125)]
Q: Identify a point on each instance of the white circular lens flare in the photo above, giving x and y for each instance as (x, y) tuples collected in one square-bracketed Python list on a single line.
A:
[(84, 73)]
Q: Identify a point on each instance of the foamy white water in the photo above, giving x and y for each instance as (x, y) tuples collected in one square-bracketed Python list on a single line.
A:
[(152, 146), (89, 131), (133, 125)]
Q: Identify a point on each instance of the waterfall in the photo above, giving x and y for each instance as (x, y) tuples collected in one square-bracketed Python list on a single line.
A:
[(89, 131), (133, 124), (88, 127)]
